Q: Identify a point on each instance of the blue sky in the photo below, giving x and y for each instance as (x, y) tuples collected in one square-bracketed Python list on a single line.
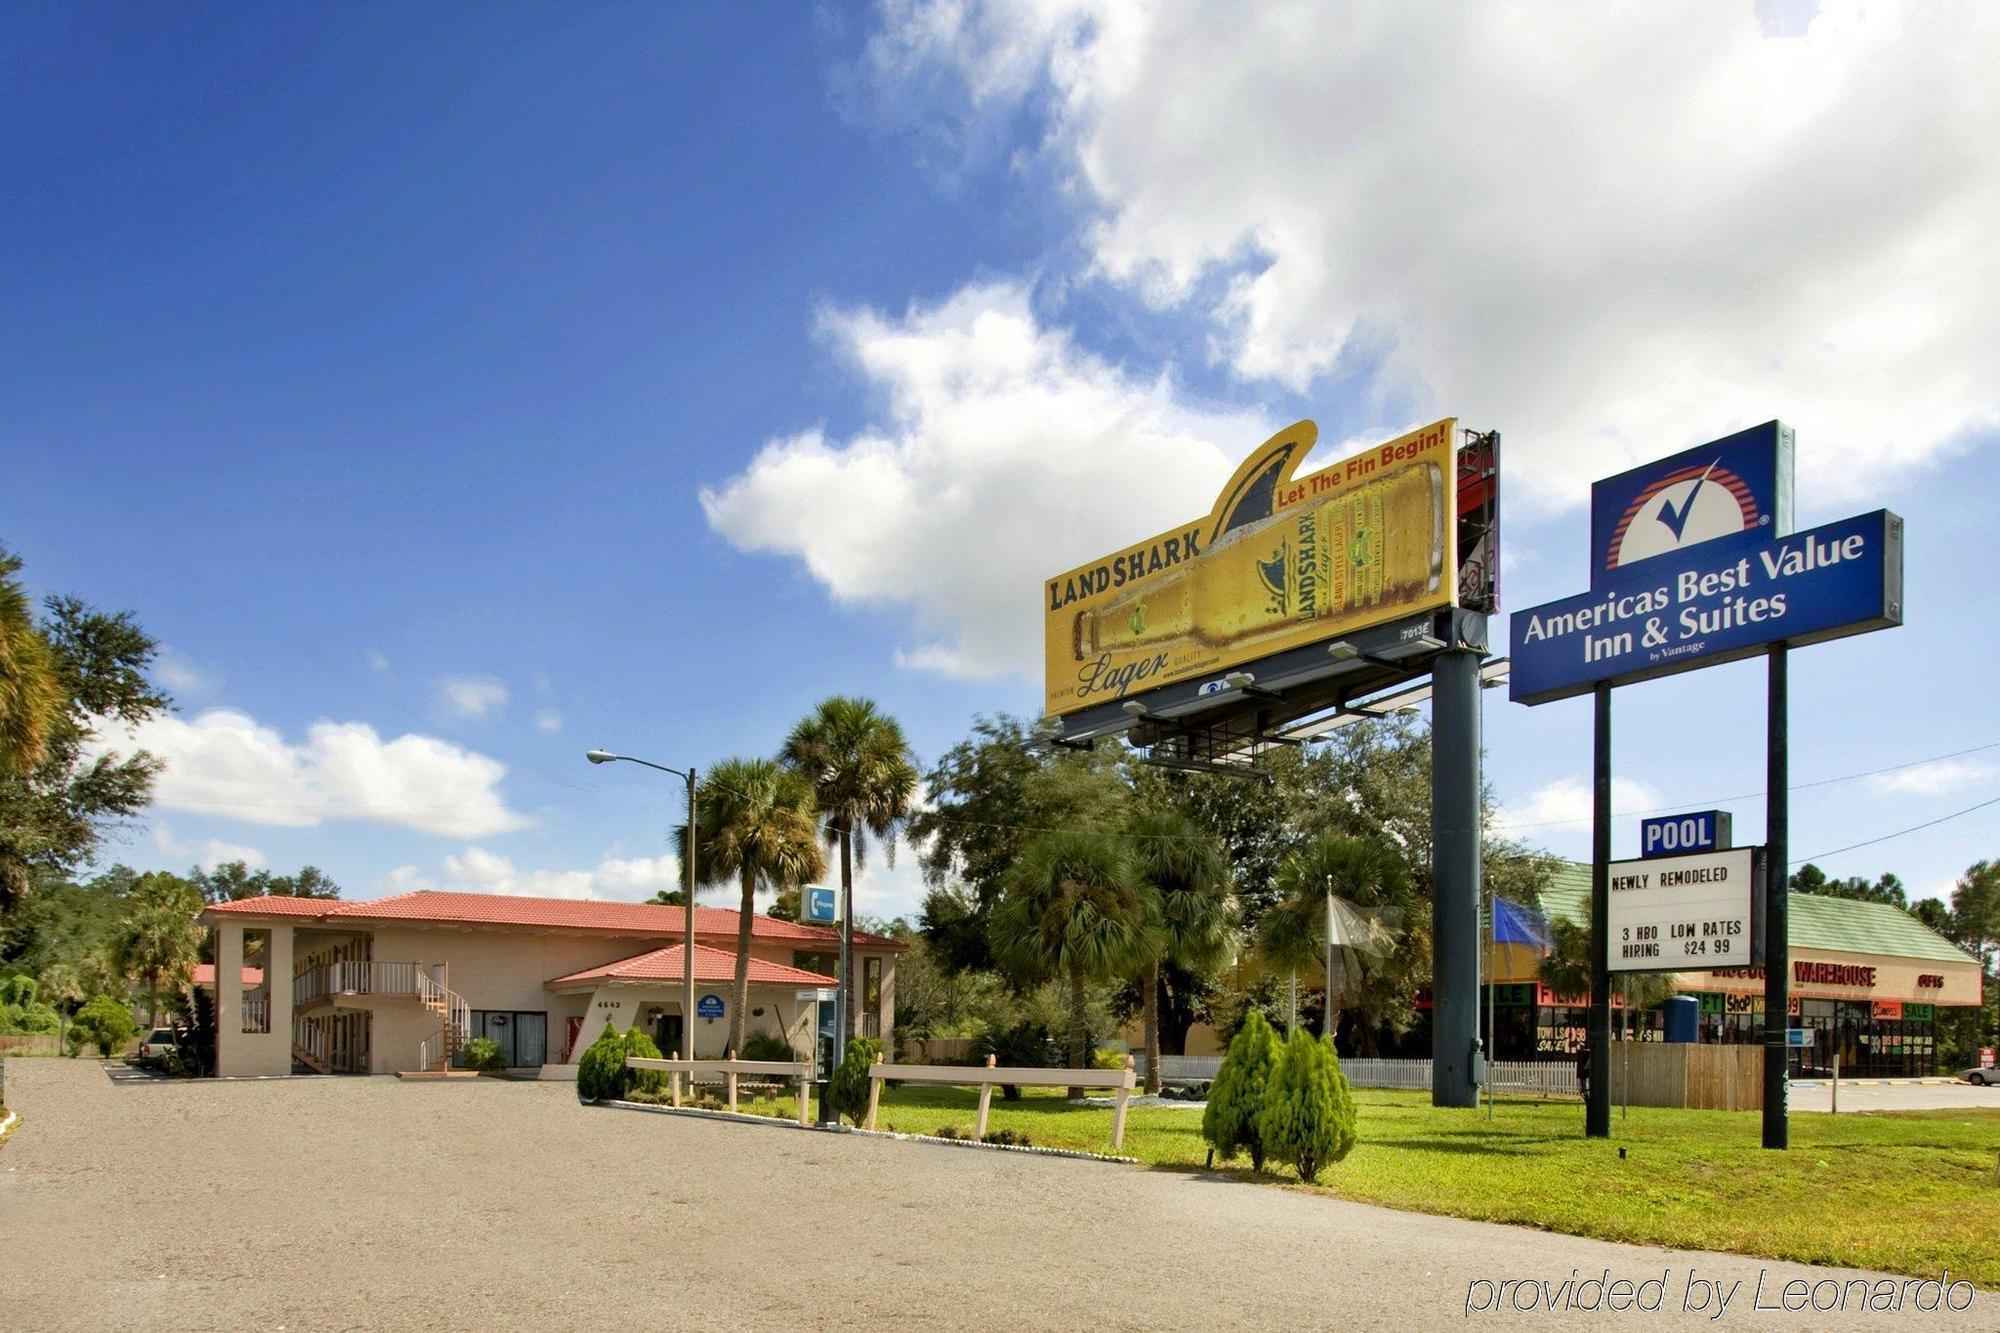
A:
[(451, 397)]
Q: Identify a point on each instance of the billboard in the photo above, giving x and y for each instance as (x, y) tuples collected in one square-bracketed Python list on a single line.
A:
[(1280, 562), (1726, 599), (1687, 913), (1740, 483)]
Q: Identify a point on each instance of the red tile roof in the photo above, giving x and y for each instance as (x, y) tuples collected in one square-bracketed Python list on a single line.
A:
[(710, 965), (585, 914), (204, 975)]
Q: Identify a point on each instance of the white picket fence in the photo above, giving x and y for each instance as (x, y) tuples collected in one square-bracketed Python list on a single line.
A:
[(1538, 1076)]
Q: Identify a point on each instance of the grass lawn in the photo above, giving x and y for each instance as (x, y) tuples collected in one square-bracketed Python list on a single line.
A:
[(1911, 1192)]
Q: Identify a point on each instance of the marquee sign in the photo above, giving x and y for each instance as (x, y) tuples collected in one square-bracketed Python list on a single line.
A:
[(1687, 913)]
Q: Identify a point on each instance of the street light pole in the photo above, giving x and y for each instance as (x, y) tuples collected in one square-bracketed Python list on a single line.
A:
[(687, 892)]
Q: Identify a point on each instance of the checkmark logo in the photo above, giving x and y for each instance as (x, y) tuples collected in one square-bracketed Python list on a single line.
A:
[(1676, 519)]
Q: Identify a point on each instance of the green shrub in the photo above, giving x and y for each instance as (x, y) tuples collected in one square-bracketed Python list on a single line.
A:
[(600, 1069), (766, 1046), (847, 1090), (1008, 1138), (1108, 1060), (951, 1132), (1308, 1116), (1231, 1121), (483, 1054), (707, 1101), (1023, 1046), (106, 1023), (642, 1080)]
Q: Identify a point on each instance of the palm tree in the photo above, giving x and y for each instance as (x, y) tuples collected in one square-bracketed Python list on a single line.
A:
[(1363, 874), (1074, 907), (1187, 871), (757, 823), (63, 989), (31, 685), (863, 775), (159, 941)]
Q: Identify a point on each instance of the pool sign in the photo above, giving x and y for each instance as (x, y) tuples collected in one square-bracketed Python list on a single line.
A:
[(1727, 599), (822, 904), (708, 1006), (1697, 831), (1740, 483), (1687, 913)]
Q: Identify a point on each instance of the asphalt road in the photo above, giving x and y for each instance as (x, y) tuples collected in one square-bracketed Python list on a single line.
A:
[(368, 1203), (1817, 1095)]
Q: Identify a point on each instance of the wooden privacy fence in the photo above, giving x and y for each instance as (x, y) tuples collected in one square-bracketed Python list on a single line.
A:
[(988, 1076), (799, 1071), (941, 1049), (1682, 1074), (1542, 1076), (30, 1043)]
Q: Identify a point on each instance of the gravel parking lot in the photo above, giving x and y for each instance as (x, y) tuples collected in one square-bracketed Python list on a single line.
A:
[(368, 1203)]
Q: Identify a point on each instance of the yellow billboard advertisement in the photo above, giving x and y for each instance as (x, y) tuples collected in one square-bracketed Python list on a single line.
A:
[(1279, 563)]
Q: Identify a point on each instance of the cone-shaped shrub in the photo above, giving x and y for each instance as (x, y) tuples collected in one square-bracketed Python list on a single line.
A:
[(645, 1080), (598, 1068), (1231, 1122), (1308, 1115)]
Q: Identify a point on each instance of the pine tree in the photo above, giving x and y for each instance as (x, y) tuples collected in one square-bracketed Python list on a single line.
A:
[(1232, 1121), (1308, 1115)]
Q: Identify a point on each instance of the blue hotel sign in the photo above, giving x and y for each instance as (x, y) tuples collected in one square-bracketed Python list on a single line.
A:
[(1695, 831), (1693, 564)]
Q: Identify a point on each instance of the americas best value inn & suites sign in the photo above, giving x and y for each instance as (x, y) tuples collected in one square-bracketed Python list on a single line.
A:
[(1693, 565)]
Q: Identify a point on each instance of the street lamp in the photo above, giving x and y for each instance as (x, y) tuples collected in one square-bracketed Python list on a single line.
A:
[(687, 898)]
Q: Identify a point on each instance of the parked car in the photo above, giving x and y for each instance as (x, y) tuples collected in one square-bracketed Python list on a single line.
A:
[(1987, 1076), (158, 1045)]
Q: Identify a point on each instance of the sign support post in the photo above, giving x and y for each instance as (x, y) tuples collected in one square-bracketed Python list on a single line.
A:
[(1597, 1038), (1455, 873), (1777, 943)]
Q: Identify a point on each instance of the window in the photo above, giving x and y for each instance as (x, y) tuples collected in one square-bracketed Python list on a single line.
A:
[(522, 1036)]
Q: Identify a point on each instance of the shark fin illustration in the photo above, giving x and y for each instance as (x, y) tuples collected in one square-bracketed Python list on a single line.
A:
[(1252, 493)]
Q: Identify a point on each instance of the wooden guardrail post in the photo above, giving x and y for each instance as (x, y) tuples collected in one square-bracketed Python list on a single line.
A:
[(985, 1103), (1118, 1115), (874, 1091), (675, 1077), (729, 1077), (805, 1099)]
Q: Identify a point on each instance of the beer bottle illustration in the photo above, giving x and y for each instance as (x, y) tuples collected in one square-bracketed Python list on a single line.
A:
[(1364, 551)]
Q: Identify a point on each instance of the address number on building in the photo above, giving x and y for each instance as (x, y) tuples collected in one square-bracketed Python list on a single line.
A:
[(1687, 913)]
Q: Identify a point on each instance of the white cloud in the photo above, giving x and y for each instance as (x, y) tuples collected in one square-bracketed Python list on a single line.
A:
[(472, 697), (477, 870), (377, 660), (210, 853), (548, 721), (1002, 452), (1940, 777), (1562, 807), (1610, 232), (226, 762), (181, 674)]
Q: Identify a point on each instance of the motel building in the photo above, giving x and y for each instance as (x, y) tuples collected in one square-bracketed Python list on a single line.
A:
[(401, 984)]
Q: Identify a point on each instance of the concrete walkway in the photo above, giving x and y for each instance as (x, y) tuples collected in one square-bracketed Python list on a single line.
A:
[(368, 1203)]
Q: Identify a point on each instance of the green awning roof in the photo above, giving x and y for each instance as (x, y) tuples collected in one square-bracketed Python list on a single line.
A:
[(1813, 921)]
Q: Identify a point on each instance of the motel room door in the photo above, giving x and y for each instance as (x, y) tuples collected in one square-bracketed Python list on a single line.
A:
[(523, 1037), (667, 1035)]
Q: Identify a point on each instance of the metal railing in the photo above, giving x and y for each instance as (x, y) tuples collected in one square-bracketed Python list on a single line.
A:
[(257, 1013), (358, 979)]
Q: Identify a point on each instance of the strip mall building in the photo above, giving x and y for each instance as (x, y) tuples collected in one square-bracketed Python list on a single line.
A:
[(403, 983), (1868, 980)]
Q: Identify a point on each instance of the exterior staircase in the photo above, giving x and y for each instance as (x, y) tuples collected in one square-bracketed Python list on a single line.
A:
[(435, 1055), (309, 1045)]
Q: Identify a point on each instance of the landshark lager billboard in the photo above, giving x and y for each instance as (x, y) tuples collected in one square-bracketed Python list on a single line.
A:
[(1280, 562)]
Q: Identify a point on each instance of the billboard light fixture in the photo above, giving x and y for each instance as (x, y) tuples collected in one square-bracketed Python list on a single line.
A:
[(1239, 680), (1342, 651)]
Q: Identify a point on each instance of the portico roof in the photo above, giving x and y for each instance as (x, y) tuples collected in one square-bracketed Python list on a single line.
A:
[(711, 966)]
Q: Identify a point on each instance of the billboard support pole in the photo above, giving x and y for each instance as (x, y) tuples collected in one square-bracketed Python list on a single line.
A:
[(1455, 872), (1597, 1039), (1777, 942)]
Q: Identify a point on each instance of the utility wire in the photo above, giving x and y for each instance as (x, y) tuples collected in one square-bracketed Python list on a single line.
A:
[(1929, 823)]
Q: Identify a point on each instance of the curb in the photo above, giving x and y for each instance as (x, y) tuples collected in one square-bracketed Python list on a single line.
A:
[(739, 1117)]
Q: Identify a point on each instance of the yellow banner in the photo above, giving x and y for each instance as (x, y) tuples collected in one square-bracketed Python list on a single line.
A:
[(1280, 562)]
